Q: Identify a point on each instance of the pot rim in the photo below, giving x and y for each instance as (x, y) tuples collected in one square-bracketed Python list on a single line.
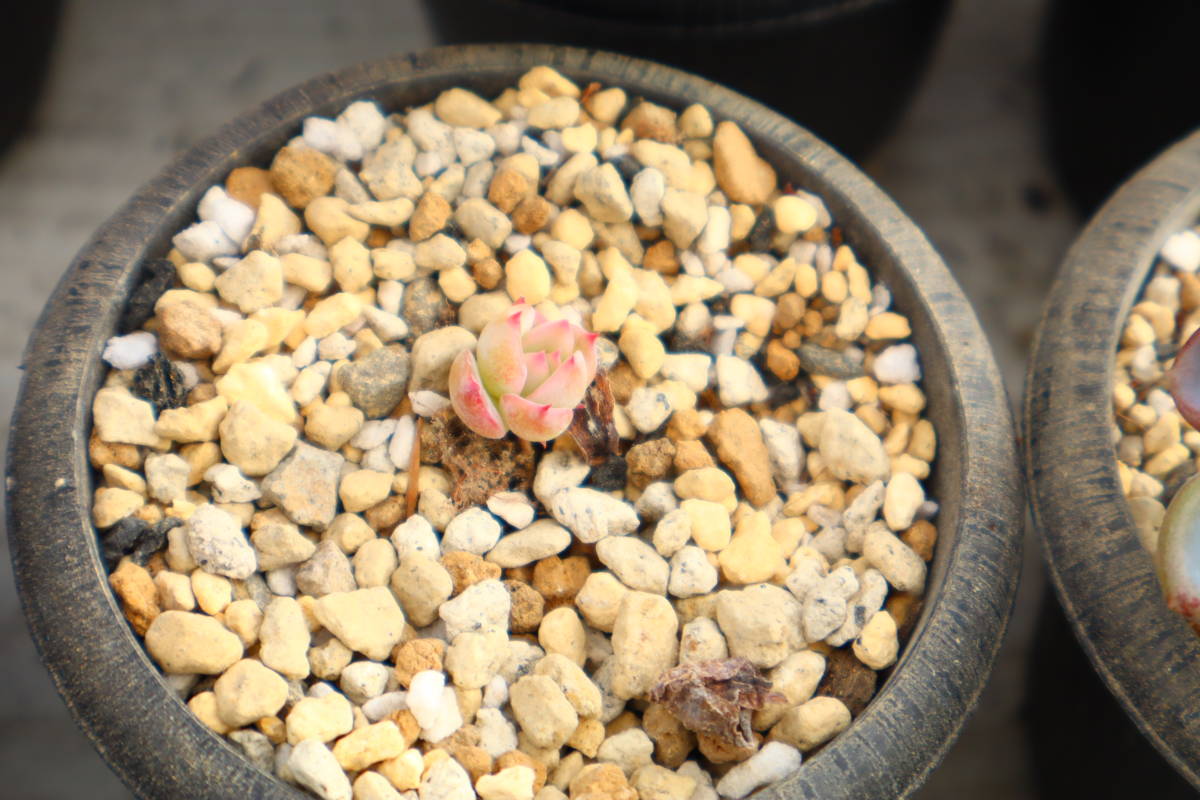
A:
[(1104, 578), (121, 701)]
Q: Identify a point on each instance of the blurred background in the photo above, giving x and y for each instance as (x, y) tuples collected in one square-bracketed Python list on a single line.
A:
[(996, 126)]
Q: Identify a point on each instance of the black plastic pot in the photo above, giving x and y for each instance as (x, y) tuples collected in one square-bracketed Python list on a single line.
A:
[(1146, 655), (844, 69), (1117, 87), (161, 750)]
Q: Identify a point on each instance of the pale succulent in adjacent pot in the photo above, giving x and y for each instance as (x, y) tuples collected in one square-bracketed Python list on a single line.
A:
[(526, 375), (1178, 554)]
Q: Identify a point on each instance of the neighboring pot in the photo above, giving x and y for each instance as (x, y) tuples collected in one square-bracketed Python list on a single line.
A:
[(1106, 581), (844, 69), (1116, 89), (155, 743)]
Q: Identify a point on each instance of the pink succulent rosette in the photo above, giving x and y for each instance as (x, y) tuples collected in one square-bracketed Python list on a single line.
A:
[(526, 375)]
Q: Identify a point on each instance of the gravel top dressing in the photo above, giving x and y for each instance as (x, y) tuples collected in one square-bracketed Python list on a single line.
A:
[(682, 595)]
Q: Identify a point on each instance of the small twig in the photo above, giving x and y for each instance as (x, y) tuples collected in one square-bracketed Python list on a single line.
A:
[(414, 472)]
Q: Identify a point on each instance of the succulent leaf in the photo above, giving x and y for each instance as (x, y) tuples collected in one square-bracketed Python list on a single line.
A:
[(536, 422), (566, 386), (470, 400), (500, 356), (1178, 552), (1184, 379)]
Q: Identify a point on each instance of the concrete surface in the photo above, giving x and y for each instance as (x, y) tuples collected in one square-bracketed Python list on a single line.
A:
[(132, 83)]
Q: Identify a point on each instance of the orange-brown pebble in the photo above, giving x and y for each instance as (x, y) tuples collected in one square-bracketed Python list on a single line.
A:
[(378, 237), (789, 310), (650, 121), (623, 722), (139, 595), (473, 758), (527, 607), (123, 455), (523, 574), (649, 461), (417, 655), (622, 381), (467, 569), (487, 273), (515, 758), (661, 257), (410, 729), (672, 741), (273, 728), (686, 423), (247, 184), (692, 454), (507, 189), (903, 606), (720, 751), (386, 514), (531, 214), (601, 782), (558, 580), (782, 362), (301, 175), (429, 217), (921, 537)]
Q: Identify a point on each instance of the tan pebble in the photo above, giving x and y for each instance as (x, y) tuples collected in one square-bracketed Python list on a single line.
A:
[(329, 218), (710, 484), (430, 216), (587, 737), (739, 444), (204, 706), (711, 526), (753, 555), (188, 331), (460, 107), (516, 758), (672, 741), (741, 173), (110, 505), (417, 655), (322, 718), (602, 781), (185, 643), (403, 772), (812, 723), (527, 277), (558, 580), (643, 643), (606, 104), (888, 325), (562, 632)]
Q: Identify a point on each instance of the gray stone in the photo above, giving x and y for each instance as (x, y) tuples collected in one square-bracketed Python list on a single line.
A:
[(305, 485), (376, 383)]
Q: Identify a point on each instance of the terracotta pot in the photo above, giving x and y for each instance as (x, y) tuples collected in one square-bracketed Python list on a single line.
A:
[(844, 69), (1104, 578), (152, 740)]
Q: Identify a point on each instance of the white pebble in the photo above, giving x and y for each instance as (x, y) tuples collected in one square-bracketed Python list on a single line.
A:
[(426, 164), (332, 139), (738, 382), (378, 708), (305, 353), (366, 122), (282, 581), (512, 507), (715, 236), (648, 408), (373, 433), (1182, 251), (400, 446), (495, 694), (130, 351), (314, 767), (835, 395), (204, 241), (233, 216), (898, 364), (427, 403), (474, 531), (389, 296), (415, 535), (425, 696), (775, 761)]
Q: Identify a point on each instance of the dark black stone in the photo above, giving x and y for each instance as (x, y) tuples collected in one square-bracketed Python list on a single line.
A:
[(153, 539), (627, 166), (121, 538), (763, 230), (157, 277), (161, 383), (783, 393), (609, 476)]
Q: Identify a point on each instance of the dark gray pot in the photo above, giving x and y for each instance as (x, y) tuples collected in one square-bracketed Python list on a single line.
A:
[(1147, 656), (151, 739)]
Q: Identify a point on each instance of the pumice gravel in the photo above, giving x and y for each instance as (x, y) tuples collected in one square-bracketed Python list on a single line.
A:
[(370, 601)]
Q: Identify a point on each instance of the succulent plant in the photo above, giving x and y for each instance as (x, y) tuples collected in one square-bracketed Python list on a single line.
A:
[(526, 375), (1177, 556)]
